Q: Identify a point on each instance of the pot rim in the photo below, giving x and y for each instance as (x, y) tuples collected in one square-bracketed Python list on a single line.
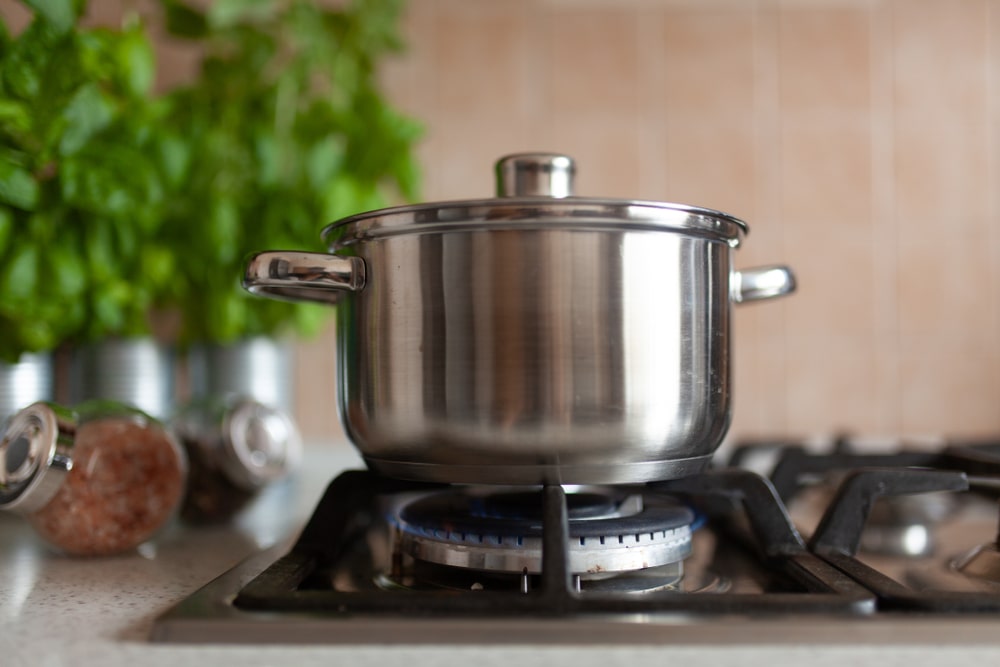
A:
[(536, 213)]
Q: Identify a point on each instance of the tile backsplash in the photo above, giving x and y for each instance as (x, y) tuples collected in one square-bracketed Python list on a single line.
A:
[(859, 139)]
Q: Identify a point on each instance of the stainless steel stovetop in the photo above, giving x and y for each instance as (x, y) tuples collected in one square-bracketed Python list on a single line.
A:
[(905, 541)]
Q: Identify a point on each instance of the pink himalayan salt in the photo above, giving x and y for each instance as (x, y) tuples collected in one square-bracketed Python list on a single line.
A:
[(127, 479)]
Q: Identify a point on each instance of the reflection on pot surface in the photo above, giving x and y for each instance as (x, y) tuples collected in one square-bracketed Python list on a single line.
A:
[(533, 337)]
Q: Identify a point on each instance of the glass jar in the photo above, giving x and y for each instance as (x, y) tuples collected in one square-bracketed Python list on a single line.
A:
[(96, 480), (237, 446)]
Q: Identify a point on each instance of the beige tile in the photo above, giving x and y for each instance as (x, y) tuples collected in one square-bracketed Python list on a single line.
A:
[(941, 160), (765, 242), (834, 273), (831, 386), (15, 16), (316, 389), (747, 394), (826, 169), (758, 371), (708, 59), (825, 58), (765, 245), (606, 148), (177, 63), (766, 227), (593, 66), (884, 223), (941, 51), (478, 56), (950, 384), (409, 78), (652, 105), (859, 147), (466, 149), (711, 162), (946, 285), (654, 158)]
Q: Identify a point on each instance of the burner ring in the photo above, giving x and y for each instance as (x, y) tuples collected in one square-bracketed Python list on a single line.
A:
[(453, 529)]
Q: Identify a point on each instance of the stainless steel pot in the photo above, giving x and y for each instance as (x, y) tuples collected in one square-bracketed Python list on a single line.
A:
[(536, 337)]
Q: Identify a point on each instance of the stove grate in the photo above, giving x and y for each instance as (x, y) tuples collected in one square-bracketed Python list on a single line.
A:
[(810, 583)]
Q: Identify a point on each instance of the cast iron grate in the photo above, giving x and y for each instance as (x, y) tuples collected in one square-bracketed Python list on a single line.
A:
[(956, 468), (812, 584)]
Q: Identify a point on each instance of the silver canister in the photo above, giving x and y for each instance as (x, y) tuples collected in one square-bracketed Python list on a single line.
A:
[(135, 371), (25, 381), (258, 368)]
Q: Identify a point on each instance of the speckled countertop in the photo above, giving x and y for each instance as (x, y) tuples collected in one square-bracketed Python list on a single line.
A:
[(56, 610)]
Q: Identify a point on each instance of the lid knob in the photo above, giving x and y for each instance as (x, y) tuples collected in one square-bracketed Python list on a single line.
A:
[(535, 175)]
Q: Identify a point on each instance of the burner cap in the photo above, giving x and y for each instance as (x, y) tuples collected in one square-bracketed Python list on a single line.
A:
[(609, 532)]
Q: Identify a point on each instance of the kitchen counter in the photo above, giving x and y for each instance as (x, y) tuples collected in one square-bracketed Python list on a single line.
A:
[(56, 610)]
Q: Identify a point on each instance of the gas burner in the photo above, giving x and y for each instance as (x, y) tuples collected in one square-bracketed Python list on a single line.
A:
[(381, 548), (500, 533)]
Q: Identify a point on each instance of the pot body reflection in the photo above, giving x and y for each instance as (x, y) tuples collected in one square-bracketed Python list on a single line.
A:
[(530, 356)]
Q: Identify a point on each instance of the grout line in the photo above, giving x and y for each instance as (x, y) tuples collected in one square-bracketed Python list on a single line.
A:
[(992, 161), (884, 224), (772, 331), (650, 69)]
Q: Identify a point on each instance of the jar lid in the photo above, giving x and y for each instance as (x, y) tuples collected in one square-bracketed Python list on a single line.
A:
[(260, 444), (535, 191), (35, 456)]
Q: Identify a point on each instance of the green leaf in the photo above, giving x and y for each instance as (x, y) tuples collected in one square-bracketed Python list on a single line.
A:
[(309, 318), (323, 161), (27, 59), (6, 227), (109, 178), (19, 275), (67, 272), (87, 113), (184, 21), (286, 130), (100, 253), (18, 187), (15, 117), (157, 265), (5, 39), (222, 227), (175, 158), (61, 14), (109, 316), (267, 155), (228, 319), (137, 61), (224, 13)]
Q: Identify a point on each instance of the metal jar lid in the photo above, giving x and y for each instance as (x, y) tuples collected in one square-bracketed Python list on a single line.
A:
[(261, 444), (250, 443), (535, 191), (35, 456)]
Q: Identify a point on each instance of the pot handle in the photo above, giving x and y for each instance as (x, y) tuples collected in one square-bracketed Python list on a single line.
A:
[(764, 282), (303, 276)]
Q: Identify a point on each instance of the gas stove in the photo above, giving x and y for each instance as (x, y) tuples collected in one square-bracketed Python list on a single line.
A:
[(820, 541)]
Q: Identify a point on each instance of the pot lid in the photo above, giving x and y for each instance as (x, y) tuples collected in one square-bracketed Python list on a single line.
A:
[(535, 191)]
